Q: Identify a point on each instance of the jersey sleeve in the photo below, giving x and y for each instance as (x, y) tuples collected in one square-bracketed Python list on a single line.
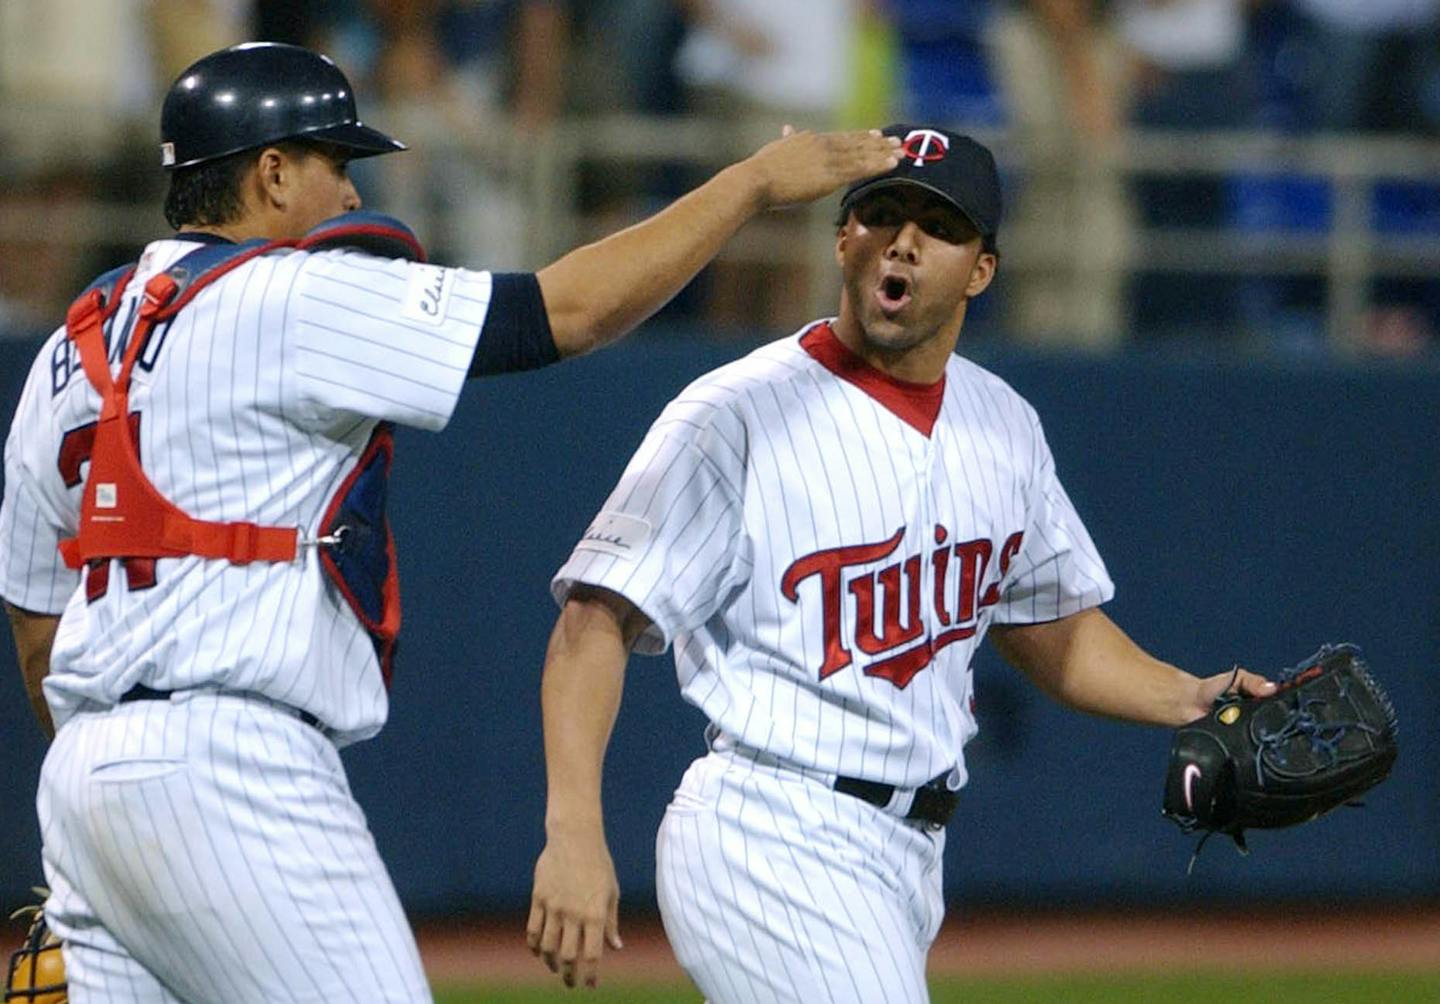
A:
[(1058, 570), (37, 510), (384, 338), (669, 538)]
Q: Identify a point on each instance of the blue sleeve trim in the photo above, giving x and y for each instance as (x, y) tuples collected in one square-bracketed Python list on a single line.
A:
[(516, 335)]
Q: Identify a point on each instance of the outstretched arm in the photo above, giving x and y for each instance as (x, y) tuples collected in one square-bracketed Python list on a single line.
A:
[(597, 293), (1086, 662), (574, 909), (34, 636)]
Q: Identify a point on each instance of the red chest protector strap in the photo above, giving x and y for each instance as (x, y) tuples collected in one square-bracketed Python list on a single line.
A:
[(123, 515)]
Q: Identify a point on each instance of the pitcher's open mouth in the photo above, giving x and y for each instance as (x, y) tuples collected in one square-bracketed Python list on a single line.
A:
[(893, 294)]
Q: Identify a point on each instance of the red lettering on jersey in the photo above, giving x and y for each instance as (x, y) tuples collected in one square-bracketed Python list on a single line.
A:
[(940, 561), (901, 669), (1007, 553), (954, 634), (891, 635), (829, 564), (888, 639), (974, 558)]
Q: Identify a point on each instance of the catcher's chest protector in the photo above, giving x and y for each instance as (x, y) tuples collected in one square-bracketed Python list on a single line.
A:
[(123, 515)]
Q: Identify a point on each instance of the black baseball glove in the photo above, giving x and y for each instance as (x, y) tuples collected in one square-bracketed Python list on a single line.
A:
[(1323, 737)]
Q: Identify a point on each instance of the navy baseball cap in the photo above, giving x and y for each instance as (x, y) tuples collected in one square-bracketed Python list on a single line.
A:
[(955, 167)]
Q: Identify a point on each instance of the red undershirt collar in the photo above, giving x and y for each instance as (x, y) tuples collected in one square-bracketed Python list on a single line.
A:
[(916, 404)]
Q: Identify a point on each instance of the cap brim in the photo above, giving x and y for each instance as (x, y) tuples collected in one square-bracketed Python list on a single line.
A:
[(877, 184), (364, 141)]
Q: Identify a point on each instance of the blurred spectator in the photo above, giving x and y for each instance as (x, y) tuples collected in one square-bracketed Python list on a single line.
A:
[(70, 70), (782, 62), (1191, 73), (945, 74), (477, 83), (309, 24), (754, 66), (626, 53), (181, 31), (1371, 67), (1062, 73)]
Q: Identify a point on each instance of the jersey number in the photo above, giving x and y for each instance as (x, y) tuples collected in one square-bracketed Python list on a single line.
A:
[(75, 451)]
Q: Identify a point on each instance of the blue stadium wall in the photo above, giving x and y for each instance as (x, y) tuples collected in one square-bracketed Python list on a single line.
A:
[(1247, 511)]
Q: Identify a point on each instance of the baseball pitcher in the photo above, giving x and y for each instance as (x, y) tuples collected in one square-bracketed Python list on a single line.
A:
[(823, 532)]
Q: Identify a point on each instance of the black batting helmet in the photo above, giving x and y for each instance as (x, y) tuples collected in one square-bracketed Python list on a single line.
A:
[(258, 93)]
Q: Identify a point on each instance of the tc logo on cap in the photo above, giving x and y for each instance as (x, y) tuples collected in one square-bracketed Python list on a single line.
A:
[(925, 146)]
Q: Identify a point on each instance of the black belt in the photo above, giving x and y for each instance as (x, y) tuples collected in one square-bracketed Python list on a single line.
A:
[(934, 802), (140, 692)]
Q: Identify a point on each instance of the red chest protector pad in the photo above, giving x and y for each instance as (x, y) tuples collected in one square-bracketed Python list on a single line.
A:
[(123, 515)]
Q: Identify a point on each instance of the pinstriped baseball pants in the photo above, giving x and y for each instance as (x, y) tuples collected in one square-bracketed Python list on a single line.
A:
[(774, 889), (208, 849)]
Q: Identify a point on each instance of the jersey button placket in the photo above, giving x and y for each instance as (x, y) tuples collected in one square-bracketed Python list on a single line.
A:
[(927, 539)]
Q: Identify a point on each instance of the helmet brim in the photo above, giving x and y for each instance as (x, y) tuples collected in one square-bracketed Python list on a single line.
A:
[(359, 139), (356, 137)]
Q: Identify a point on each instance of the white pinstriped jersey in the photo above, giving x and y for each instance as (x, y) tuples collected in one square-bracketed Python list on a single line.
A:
[(825, 561), (254, 404)]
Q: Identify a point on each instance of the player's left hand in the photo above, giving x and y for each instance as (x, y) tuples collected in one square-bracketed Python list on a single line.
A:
[(575, 907), (1232, 681)]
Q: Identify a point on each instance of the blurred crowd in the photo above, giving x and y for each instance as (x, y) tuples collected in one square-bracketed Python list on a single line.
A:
[(1062, 87)]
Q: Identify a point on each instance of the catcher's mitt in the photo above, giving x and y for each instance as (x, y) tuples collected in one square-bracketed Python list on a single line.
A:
[(1324, 736), (37, 969)]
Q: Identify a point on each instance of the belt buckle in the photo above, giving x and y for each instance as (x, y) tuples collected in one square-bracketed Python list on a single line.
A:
[(934, 802)]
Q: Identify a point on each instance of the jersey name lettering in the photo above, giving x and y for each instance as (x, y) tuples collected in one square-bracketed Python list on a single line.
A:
[(65, 360), (899, 646), (64, 363)]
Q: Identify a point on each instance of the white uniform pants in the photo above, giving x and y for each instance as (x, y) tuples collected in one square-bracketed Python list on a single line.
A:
[(208, 849), (775, 888)]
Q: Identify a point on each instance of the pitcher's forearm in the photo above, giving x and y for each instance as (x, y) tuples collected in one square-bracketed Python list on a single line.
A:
[(580, 698)]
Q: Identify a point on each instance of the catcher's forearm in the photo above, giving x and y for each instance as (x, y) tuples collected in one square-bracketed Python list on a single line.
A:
[(598, 292), (579, 698), (34, 637), (1086, 662)]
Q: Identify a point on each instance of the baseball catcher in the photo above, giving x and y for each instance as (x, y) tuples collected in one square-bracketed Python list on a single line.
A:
[(1322, 738), (37, 970)]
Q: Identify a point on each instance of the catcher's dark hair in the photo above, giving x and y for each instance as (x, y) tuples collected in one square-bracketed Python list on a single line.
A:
[(208, 193)]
